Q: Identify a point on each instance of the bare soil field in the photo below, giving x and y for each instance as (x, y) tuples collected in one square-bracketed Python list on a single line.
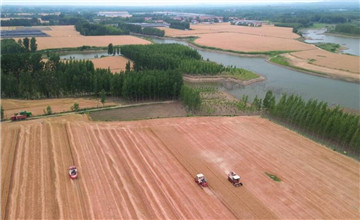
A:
[(115, 63), (68, 37), (145, 169), (322, 58), (12, 106), (167, 110), (249, 43)]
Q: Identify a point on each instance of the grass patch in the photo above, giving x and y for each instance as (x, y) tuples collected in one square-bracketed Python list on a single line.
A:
[(273, 177), (329, 47), (241, 74), (280, 60)]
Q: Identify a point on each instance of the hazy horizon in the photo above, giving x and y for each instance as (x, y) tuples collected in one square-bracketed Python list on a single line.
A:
[(159, 2)]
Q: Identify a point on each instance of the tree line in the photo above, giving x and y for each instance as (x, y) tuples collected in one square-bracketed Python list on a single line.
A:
[(25, 75), (171, 56), (87, 29), (317, 119), (179, 25), (10, 46), (140, 30), (21, 22), (348, 29)]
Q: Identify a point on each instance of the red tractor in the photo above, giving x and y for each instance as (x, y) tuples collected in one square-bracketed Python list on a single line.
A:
[(234, 179), (73, 172), (201, 180), (17, 117)]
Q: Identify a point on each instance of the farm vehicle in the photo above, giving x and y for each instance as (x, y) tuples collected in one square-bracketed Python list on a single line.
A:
[(20, 116), (28, 114), (234, 179), (17, 117), (201, 180), (73, 172)]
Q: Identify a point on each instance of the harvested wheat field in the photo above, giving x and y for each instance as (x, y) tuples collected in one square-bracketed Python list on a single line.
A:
[(115, 63), (327, 59), (145, 169), (240, 38), (249, 43), (265, 30), (12, 106), (78, 41), (68, 37)]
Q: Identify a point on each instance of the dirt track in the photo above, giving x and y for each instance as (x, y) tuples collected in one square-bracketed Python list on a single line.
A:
[(145, 169), (57, 105)]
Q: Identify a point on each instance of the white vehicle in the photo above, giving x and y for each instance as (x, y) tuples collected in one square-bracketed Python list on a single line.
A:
[(234, 179)]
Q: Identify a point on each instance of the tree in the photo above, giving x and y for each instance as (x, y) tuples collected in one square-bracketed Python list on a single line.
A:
[(102, 97), (26, 43), (48, 110), (75, 107), (33, 44), (127, 66), (110, 49), (268, 100), (2, 113)]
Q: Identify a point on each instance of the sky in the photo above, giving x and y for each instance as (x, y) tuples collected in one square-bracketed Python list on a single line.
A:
[(148, 2)]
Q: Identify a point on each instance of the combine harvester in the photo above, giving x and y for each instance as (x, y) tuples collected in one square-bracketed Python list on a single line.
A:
[(234, 179), (73, 172), (201, 180)]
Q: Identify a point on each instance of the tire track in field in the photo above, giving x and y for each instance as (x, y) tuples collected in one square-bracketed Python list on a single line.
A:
[(56, 176), (102, 150), (97, 168), (134, 209), (70, 141), (137, 163), (156, 169), (191, 166), (7, 189), (293, 207), (199, 211), (223, 195)]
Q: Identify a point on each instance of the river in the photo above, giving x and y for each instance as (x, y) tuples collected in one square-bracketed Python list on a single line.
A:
[(314, 36), (278, 79)]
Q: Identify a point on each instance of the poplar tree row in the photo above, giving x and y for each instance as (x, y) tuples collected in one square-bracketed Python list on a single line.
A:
[(318, 119), (170, 56), (191, 98)]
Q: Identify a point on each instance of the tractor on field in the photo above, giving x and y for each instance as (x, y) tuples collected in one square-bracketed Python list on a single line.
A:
[(73, 172), (201, 180), (234, 179), (17, 117), (27, 114)]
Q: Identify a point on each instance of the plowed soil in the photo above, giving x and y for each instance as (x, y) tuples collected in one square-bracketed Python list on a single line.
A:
[(145, 169)]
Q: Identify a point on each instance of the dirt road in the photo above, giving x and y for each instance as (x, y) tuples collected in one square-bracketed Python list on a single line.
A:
[(145, 169)]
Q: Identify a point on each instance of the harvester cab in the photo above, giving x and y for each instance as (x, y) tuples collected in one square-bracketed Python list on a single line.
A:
[(234, 179), (201, 180)]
